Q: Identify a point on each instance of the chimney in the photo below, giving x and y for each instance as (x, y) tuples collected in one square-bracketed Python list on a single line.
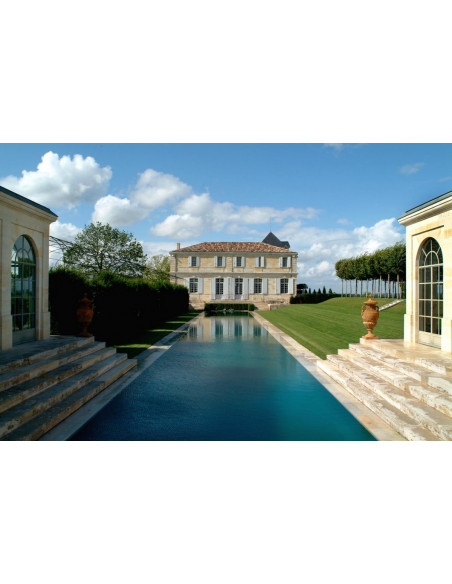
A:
[(178, 245)]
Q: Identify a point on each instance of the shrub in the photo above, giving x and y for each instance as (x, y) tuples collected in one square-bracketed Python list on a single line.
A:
[(211, 307)]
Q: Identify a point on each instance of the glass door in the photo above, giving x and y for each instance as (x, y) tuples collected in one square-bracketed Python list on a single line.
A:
[(430, 293), (23, 291)]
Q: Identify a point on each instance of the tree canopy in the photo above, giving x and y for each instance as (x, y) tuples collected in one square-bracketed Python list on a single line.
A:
[(99, 248), (384, 268), (157, 269)]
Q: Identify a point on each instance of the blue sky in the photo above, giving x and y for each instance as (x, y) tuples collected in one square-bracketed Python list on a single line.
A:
[(329, 200)]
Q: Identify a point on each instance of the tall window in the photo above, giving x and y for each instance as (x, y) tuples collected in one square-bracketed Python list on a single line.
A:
[(193, 285), (260, 262), (239, 286), (284, 262), (23, 290), (430, 292), (194, 261), (219, 286), (257, 285), (220, 262), (284, 286), (238, 261)]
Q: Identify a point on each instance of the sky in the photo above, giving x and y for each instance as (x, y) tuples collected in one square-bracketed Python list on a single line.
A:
[(329, 200)]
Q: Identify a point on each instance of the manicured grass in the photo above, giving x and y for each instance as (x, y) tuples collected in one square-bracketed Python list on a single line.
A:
[(150, 337), (326, 327)]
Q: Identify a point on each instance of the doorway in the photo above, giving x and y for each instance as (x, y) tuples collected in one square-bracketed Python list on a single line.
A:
[(23, 291), (430, 293)]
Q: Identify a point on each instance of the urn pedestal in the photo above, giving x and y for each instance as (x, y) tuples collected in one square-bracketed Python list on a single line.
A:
[(370, 315)]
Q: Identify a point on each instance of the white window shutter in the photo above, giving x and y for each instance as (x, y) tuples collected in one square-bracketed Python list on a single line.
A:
[(245, 288), (290, 285), (278, 285), (280, 262), (234, 262), (289, 262), (231, 282), (251, 285), (243, 261), (263, 262), (265, 285), (212, 288), (216, 261), (198, 261), (187, 283), (201, 285), (189, 261), (257, 262)]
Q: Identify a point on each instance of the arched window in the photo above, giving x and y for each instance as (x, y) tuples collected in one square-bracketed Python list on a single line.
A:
[(430, 293), (23, 291)]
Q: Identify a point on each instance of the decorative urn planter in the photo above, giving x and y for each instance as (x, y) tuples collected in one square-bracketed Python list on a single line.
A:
[(84, 315), (370, 314)]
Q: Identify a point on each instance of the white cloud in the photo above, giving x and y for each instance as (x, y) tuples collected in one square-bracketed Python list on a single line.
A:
[(157, 189), (199, 213), (61, 182), (117, 212), (343, 221), (411, 168), (66, 231)]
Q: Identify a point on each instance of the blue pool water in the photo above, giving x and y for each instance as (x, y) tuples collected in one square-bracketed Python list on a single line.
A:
[(225, 379)]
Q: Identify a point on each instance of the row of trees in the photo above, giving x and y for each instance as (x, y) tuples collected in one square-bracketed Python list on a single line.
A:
[(382, 273)]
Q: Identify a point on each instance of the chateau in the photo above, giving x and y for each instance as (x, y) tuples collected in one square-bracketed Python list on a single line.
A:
[(263, 273)]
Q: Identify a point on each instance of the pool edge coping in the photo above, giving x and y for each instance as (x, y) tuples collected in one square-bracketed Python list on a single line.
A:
[(373, 423)]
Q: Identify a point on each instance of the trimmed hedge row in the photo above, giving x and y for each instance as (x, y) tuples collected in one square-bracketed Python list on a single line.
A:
[(210, 307), (123, 306), (313, 298)]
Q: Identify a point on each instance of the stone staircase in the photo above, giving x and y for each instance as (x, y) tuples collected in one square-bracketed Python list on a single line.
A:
[(408, 385), (44, 382)]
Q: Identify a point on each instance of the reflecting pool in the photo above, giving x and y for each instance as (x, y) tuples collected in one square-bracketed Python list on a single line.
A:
[(225, 379)]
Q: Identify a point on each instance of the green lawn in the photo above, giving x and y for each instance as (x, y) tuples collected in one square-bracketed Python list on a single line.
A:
[(326, 327), (150, 337)]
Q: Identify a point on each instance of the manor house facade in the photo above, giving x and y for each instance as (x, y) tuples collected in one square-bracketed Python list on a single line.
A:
[(263, 273)]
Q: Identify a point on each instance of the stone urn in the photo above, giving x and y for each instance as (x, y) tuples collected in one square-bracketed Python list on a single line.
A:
[(370, 314), (84, 315)]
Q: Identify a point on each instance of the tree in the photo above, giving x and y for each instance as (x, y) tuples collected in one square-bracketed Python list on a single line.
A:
[(157, 269), (99, 248)]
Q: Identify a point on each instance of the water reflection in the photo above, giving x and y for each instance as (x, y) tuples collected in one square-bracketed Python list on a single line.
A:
[(209, 328)]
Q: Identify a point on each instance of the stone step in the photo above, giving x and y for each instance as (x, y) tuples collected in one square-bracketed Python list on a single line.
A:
[(48, 419), (424, 356), (433, 389), (433, 420), (435, 380), (37, 350), (43, 363), (89, 355), (26, 410), (402, 423)]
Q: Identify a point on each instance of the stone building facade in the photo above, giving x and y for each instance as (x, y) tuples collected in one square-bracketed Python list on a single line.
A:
[(24, 269), (256, 272), (428, 318)]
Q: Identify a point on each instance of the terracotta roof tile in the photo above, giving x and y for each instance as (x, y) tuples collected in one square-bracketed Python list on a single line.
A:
[(232, 246)]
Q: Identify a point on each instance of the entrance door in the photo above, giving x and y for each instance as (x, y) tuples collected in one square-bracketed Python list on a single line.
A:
[(23, 291), (430, 293)]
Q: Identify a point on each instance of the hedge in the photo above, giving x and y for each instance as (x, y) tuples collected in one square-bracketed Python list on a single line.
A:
[(312, 298), (210, 307), (123, 306)]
